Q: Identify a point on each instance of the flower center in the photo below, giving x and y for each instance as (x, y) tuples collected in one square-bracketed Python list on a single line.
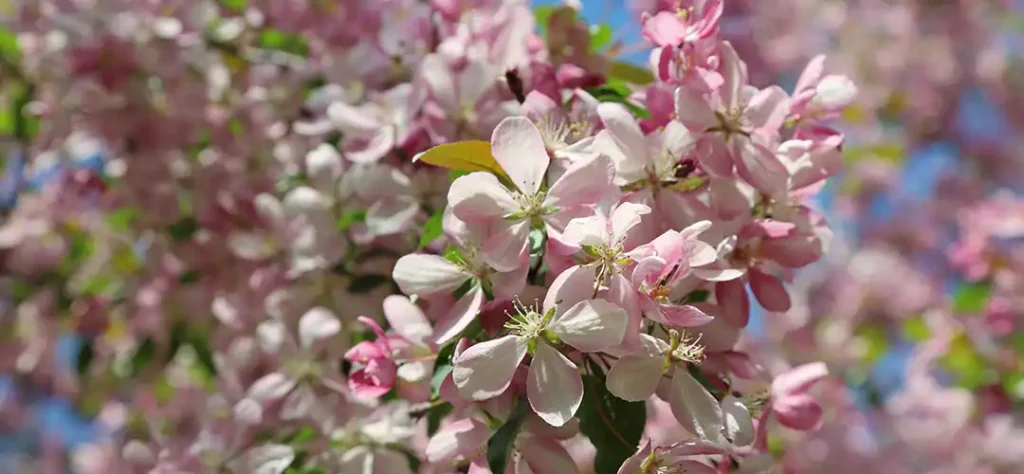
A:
[(530, 324)]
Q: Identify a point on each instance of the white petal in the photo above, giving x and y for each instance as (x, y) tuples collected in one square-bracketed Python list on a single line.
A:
[(457, 440), (553, 386), (624, 130), (485, 370), (591, 326), (480, 196), (270, 387), (635, 378), (459, 316), (626, 216), (739, 427), (475, 79), (518, 147), (423, 274), (268, 459), (298, 404), (407, 319), (694, 407), (317, 324), (271, 335), (586, 231), (438, 75)]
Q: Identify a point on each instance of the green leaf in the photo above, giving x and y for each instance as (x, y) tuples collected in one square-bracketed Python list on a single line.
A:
[(348, 219), (366, 283), (143, 355), (465, 287), (915, 329), (971, 298), (276, 39), (432, 229), (967, 366), (875, 342), (183, 229), (121, 218), (500, 445), (543, 15), (442, 367), (698, 296), (631, 73), (86, 354), (600, 36), (435, 415), (537, 239), (456, 174), (612, 424), (618, 93), (301, 435), (234, 5), (9, 45), (204, 355), (469, 156), (188, 277)]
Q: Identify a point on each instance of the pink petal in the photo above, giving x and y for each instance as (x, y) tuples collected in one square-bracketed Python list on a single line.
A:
[(317, 324), (760, 167), (624, 130), (770, 291), (734, 73), (733, 302), (798, 379), (591, 326), (570, 287), (478, 196), (583, 183), (684, 315), (438, 76), (424, 274), (716, 159), (695, 408), (554, 386), (547, 456), (485, 370), (625, 217), (811, 74), (459, 316), (365, 351), (665, 29), (519, 149), (457, 441), (799, 412), (693, 110), (622, 294), (375, 379), (507, 249), (407, 319), (768, 109), (476, 78), (635, 378)]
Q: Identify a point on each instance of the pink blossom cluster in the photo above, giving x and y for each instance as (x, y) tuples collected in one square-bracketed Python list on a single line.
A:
[(275, 272)]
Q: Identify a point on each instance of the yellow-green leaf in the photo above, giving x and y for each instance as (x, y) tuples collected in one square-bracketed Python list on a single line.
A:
[(473, 155), (631, 73)]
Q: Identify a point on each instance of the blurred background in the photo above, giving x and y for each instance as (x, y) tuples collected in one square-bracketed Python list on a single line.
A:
[(928, 212)]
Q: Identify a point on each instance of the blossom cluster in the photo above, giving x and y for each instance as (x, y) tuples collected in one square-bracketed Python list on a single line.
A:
[(405, 236)]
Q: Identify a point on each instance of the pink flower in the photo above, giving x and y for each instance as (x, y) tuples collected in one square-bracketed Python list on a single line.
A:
[(791, 405), (482, 201), (378, 371), (375, 128), (661, 264), (554, 386), (817, 97), (685, 25), (737, 118), (422, 274)]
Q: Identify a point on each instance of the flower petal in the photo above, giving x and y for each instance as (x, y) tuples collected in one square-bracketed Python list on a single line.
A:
[(798, 379), (407, 319), (591, 326), (626, 216), (418, 274), (518, 147), (693, 110), (508, 247), (694, 407), (739, 427), (459, 316), (553, 386), (485, 370), (624, 131), (457, 441), (438, 75), (770, 291), (317, 324), (480, 196), (583, 183), (635, 378)]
